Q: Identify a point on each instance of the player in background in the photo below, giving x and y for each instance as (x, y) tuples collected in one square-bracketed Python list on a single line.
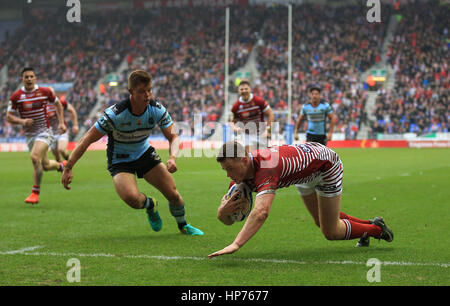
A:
[(60, 142), (248, 117), (315, 166), (128, 125), (316, 113), (30, 102)]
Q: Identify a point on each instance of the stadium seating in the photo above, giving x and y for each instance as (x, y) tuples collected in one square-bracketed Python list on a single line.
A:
[(331, 47), (420, 56), (183, 48), (184, 58)]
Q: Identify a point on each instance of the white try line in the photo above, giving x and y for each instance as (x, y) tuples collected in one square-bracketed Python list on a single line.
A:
[(27, 251), (21, 251)]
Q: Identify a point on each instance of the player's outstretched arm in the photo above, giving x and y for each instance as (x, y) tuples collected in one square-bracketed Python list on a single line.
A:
[(333, 122), (174, 147), (254, 222), (60, 115), (74, 116), (90, 137), (297, 126), (270, 118)]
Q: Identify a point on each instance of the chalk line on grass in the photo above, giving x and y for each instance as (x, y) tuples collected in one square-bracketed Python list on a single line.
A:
[(21, 251), (29, 251)]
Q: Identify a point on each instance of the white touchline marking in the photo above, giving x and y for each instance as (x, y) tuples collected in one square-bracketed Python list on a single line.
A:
[(21, 251), (167, 258)]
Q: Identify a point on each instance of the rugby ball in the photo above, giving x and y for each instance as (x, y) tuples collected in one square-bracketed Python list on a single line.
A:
[(246, 192)]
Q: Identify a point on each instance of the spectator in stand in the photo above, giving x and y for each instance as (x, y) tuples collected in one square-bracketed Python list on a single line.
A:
[(337, 63), (419, 54)]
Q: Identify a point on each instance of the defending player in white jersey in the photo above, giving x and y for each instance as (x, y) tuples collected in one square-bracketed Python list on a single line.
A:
[(315, 166), (30, 102)]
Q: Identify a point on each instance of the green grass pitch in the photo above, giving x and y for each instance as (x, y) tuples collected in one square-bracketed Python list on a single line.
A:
[(115, 245)]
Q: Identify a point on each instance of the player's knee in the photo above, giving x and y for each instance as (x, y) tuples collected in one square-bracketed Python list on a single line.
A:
[(35, 159), (330, 234)]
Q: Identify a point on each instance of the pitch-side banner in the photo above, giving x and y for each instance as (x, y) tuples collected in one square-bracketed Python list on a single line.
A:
[(189, 144), (185, 3)]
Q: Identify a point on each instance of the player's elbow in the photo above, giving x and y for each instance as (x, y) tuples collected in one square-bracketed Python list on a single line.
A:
[(9, 118), (260, 215)]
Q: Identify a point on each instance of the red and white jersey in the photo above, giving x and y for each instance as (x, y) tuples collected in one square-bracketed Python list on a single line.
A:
[(33, 104), (251, 110), (282, 166), (52, 117)]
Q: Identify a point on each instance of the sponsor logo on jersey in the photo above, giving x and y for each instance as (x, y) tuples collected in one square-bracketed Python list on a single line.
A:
[(134, 136)]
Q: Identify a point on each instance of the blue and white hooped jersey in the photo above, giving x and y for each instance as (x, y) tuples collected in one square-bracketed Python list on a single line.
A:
[(317, 117), (128, 133)]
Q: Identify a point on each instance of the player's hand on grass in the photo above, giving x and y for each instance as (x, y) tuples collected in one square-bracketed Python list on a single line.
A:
[(227, 250), (66, 178)]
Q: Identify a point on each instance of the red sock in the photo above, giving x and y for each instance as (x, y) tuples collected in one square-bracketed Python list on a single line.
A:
[(345, 216), (357, 230), (36, 189)]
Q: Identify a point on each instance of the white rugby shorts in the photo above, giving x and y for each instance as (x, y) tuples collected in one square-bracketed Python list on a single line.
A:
[(44, 136), (327, 184), (57, 138)]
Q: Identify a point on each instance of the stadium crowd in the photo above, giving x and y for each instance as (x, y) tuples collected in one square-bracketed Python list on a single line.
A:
[(182, 52), (80, 53), (183, 49), (331, 47), (419, 54), (184, 55)]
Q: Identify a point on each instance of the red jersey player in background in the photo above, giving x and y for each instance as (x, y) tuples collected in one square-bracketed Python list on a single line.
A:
[(248, 118), (60, 142), (30, 102), (315, 166)]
